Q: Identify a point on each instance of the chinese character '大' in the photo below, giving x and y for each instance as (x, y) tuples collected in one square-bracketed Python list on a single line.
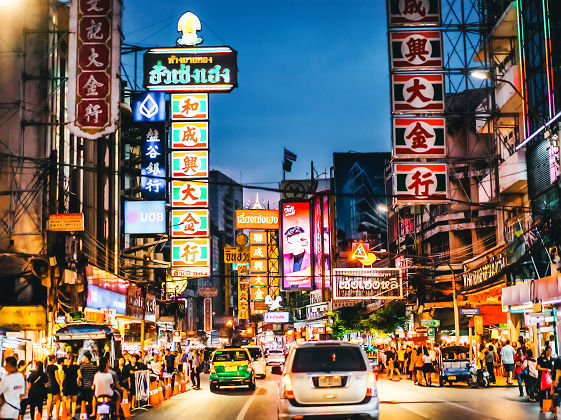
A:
[(415, 91)]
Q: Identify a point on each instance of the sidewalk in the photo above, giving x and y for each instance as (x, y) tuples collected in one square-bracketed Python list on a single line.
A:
[(501, 380)]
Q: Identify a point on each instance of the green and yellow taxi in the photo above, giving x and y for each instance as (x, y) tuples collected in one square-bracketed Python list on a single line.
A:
[(231, 366)]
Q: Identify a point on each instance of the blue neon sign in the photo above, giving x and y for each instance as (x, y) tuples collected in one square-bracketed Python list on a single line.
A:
[(149, 107)]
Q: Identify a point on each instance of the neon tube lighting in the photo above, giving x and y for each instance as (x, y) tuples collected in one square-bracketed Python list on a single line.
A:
[(538, 131)]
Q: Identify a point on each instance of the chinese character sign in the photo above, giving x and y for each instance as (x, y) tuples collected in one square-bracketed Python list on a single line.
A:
[(417, 93), (193, 106), (190, 252), (420, 182), (196, 69), (416, 50), (189, 164), (189, 135), (414, 13), (295, 241), (94, 62), (187, 223), (419, 137), (243, 297), (189, 194), (153, 161)]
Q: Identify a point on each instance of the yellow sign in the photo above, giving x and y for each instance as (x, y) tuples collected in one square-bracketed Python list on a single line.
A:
[(24, 318), (258, 251), (235, 255), (68, 222), (359, 252), (257, 219), (258, 266), (257, 238)]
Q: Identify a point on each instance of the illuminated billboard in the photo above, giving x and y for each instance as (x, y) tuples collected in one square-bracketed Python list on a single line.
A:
[(295, 242), (189, 106), (149, 106), (189, 135), (145, 217), (257, 219), (189, 222), (189, 194), (189, 164)]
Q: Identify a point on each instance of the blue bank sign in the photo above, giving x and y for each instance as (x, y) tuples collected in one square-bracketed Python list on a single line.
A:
[(99, 298), (149, 107), (145, 217)]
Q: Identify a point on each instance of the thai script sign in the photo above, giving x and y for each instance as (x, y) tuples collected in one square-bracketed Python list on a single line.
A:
[(66, 222), (257, 219), (419, 137), (420, 182), (93, 66), (198, 69), (153, 161), (492, 265), (276, 317), (189, 135), (414, 13), (234, 254), (416, 50), (367, 283), (417, 93), (189, 106)]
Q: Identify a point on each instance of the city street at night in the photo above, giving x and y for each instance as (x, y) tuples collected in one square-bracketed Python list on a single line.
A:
[(399, 400)]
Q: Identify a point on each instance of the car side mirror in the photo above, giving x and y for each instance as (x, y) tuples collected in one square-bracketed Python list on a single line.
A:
[(276, 370)]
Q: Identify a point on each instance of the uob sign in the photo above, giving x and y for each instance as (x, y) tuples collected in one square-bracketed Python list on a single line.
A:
[(145, 217)]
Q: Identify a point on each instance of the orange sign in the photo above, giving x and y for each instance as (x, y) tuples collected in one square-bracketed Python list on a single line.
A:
[(257, 219), (66, 222), (257, 238)]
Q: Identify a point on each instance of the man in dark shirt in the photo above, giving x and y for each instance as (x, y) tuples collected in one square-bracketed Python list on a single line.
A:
[(128, 375), (170, 362), (86, 374)]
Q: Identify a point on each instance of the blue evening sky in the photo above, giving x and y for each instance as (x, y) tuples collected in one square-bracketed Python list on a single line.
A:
[(313, 77)]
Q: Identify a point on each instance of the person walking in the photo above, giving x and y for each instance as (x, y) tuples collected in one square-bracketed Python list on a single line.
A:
[(530, 365), (12, 389), (392, 362), (401, 360), (37, 393), (427, 368), (86, 374), (490, 359), (518, 363), (54, 388), (196, 367), (545, 366), (70, 384), (419, 366), (507, 357)]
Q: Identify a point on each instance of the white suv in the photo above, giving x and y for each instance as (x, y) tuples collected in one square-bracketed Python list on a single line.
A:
[(328, 378)]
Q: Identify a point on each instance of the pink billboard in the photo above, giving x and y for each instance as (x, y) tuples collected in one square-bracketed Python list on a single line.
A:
[(296, 236)]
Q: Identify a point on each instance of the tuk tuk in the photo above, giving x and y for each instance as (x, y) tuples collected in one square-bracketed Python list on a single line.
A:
[(99, 339), (454, 364)]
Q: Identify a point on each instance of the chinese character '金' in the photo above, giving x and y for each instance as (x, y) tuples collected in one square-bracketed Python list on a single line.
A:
[(188, 106), (92, 85), (417, 49), (415, 91), (419, 136), (421, 181), (189, 223), (190, 164), (414, 6)]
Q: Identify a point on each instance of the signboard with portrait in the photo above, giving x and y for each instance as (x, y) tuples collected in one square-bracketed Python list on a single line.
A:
[(195, 69), (367, 283), (295, 245)]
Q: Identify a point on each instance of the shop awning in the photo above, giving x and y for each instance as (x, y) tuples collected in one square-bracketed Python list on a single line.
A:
[(544, 289), (492, 315), (518, 294)]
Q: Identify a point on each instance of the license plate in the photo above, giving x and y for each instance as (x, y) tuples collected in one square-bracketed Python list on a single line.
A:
[(329, 381), (231, 369), (451, 378), (485, 373), (103, 409)]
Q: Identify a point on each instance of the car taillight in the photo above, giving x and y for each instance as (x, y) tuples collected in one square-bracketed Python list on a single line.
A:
[(371, 390), (212, 370), (287, 390)]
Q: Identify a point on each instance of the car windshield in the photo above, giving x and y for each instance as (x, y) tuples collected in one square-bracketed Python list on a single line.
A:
[(230, 356), (328, 359), (254, 352), (275, 352)]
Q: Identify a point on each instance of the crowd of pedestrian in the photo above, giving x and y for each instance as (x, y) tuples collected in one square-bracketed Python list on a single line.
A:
[(69, 381)]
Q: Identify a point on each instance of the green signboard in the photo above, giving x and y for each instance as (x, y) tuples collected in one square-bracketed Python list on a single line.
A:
[(431, 332), (435, 323)]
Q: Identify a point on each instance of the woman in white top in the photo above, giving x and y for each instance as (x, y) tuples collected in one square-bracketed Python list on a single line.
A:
[(531, 377), (428, 368)]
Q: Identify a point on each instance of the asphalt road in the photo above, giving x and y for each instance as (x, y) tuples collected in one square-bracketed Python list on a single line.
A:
[(398, 400)]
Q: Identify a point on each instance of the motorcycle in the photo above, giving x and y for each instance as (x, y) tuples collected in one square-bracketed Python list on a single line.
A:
[(478, 377), (104, 407)]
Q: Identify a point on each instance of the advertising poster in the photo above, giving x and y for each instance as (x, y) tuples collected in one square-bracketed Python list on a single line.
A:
[(360, 188), (318, 243), (326, 228), (296, 247)]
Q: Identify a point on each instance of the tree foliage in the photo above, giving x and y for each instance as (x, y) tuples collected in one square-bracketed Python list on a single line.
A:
[(356, 319)]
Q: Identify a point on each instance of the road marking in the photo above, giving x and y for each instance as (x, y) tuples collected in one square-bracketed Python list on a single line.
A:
[(243, 411)]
